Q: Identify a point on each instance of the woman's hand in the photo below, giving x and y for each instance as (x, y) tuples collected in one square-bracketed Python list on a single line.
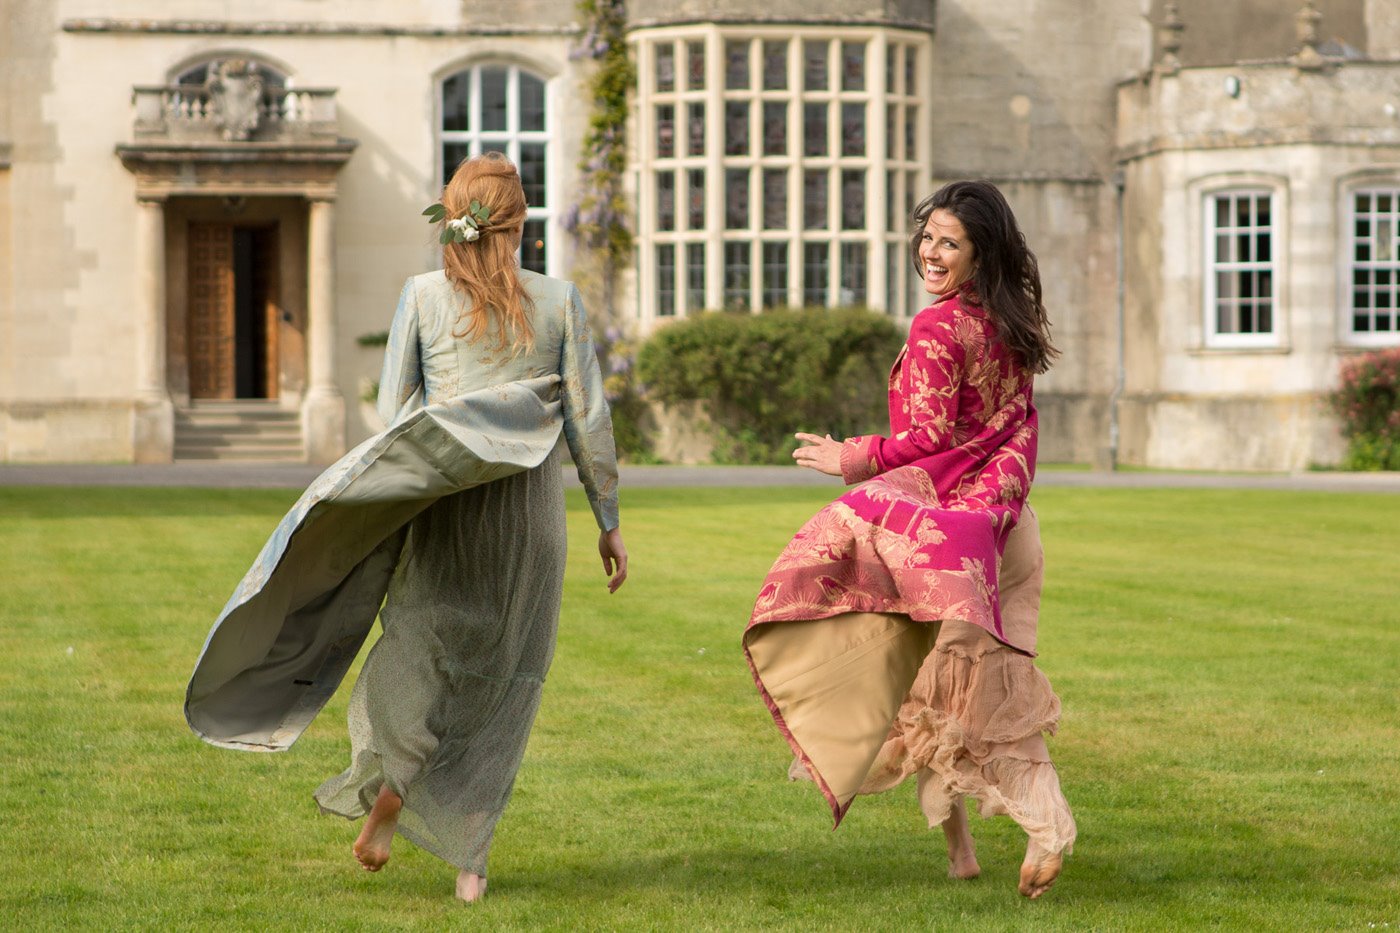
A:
[(822, 454), (614, 555)]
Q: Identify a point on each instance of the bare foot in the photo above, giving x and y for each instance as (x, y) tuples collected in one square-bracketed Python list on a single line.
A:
[(1039, 870), (470, 887), (372, 846), (962, 853)]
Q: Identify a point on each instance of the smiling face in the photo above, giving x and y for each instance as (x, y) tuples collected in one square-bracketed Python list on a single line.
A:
[(945, 252)]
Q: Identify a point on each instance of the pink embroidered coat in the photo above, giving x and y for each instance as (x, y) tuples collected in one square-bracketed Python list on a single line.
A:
[(922, 532)]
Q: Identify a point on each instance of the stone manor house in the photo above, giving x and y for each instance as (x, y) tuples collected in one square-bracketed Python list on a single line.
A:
[(204, 204)]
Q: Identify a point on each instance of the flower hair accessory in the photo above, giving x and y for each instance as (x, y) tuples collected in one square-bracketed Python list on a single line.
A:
[(462, 229)]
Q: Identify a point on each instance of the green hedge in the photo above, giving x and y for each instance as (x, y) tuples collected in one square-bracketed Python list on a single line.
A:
[(1368, 402), (768, 375)]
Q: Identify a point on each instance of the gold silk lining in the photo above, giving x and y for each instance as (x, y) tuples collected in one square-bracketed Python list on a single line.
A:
[(839, 683)]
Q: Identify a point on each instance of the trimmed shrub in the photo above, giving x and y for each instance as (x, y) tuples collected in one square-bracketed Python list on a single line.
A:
[(1368, 403), (765, 376)]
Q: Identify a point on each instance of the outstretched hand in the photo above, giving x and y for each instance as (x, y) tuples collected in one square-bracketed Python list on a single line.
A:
[(822, 454), (614, 555)]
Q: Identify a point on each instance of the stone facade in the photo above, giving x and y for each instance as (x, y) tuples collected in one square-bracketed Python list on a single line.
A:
[(1114, 138)]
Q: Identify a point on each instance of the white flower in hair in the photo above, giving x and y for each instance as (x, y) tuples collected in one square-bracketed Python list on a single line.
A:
[(464, 229)]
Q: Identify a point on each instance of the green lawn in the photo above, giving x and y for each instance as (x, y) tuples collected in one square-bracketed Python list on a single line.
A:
[(1229, 665)]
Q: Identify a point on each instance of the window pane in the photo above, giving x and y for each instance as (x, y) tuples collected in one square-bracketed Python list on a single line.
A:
[(853, 199), (452, 156), (665, 67), (774, 66), (736, 127), (815, 274), (891, 203), (814, 68), (532, 246), (1383, 203), (1222, 212), (1263, 247), (1385, 240), (814, 129), (774, 198), (774, 128), (852, 66), (493, 99), (695, 123), (852, 273), (665, 200), (1264, 318), (695, 201), (531, 104), (736, 64), (496, 145), (736, 199), (911, 119), (695, 62), (532, 173), (665, 131), (1225, 285), (891, 131), (694, 276), (894, 256), (891, 68), (1363, 203), (1262, 207), (456, 102), (814, 199), (911, 70), (852, 129), (666, 279), (775, 269), (737, 272)]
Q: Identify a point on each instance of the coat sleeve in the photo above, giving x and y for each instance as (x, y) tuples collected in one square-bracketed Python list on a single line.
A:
[(401, 381), (927, 387), (587, 419)]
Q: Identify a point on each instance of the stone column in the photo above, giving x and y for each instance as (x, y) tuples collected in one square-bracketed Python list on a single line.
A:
[(323, 413), (153, 426)]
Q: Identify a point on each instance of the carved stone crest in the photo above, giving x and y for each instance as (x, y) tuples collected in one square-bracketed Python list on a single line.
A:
[(236, 89)]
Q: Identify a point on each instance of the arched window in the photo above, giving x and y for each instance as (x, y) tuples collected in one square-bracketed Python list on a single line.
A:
[(502, 108)]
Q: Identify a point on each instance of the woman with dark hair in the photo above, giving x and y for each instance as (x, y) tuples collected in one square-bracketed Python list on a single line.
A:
[(453, 519), (894, 635)]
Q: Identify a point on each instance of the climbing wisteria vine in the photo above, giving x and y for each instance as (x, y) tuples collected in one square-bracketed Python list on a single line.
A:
[(599, 220)]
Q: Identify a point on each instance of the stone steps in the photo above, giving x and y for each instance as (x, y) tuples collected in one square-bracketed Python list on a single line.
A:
[(245, 429)]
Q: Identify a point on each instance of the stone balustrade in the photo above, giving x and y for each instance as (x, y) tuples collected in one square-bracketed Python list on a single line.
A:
[(190, 113)]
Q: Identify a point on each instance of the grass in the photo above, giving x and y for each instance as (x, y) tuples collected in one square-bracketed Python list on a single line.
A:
[(1227, 661)]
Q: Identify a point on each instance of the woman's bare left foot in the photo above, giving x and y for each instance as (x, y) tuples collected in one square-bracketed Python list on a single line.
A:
[(470, 887), (962, 852), (1039, 870), (372, 846)]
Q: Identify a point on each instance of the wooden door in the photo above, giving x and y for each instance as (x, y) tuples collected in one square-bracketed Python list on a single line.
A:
[(212, 346)]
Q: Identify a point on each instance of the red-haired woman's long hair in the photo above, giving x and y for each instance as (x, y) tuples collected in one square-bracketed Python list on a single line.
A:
[(485, 269)]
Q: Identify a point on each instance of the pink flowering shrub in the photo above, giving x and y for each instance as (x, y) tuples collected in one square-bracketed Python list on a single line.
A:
[(1368, 402)]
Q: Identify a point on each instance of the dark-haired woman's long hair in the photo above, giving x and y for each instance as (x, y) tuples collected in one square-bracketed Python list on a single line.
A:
[(1005, 278)]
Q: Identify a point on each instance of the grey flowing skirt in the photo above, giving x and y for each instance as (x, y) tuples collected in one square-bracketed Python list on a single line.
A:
[(443, 707)]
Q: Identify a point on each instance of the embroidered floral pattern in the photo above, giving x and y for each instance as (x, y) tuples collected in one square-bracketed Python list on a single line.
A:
[(923, 531)]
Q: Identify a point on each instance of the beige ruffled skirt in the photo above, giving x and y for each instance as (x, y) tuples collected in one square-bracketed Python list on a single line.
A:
[(974, 721)]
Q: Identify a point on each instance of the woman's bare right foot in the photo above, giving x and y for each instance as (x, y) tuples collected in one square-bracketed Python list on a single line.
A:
[(962, 853), (470, 887), (1039, 870), (372, 846)]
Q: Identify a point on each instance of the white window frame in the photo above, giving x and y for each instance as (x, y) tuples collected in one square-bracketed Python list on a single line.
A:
[(512, 136), (909, 169), (1276, 337), (1348, 335)]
